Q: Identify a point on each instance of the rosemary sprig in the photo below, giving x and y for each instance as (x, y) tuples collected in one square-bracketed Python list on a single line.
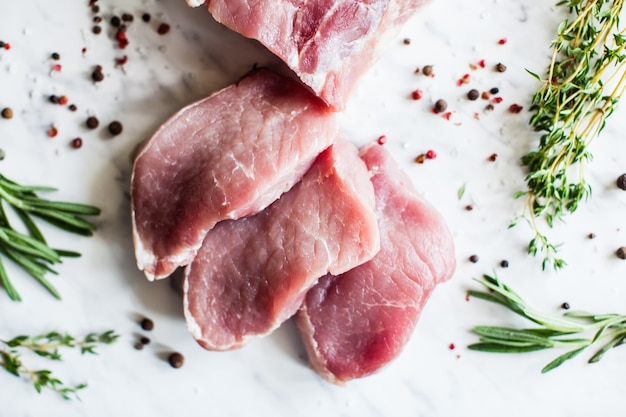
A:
[(567, 331), (584, 82), (29, 249), (47, 346)]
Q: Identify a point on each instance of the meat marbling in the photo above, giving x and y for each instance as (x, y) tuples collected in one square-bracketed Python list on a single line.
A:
[(251, 274), (355, 323), (224, 157), (329, 44)]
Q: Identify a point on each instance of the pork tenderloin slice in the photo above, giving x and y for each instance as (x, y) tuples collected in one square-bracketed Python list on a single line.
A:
[(329, 44), (357, 322), (224, 157), (251, 274)]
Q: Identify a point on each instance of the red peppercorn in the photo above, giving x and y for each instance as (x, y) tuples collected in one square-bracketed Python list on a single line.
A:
[(84, 50), (56, 67), (431, 154), (417, 94), (451, 346), (77, 143), (382, 139), (502, 41), (447, 115), (481, 63), (7, 46), (515, 108), (52, 132), (63, 100), (122, 60), (497, 100)]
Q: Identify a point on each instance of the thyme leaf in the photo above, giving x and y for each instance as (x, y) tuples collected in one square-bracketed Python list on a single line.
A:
[(48, 346), (582, 86), (29, 249), (574, 330)]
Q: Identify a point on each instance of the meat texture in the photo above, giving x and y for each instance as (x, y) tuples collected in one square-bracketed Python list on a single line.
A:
[(355, 323), (226, 156), (252, 274), (329, 44)]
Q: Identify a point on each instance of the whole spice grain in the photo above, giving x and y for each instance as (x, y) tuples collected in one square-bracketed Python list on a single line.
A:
[(77, 143), (97, 74), (565, 306), (92, 122), (473, 94), (96, 29), (72, 107), (492, 157), (97, 19), (515, 108), (127, 17), (7, 113), (621, 252), (147, 324), (139, 346), (176, 360), (417, 94), (115, 21), (163, 29), (406, 41), (53, 99), (473, 259), (115, 128), (145, 340), (427, 70), (504, 263), (55, 56), (621, 182), (95, 9), (591, 236), (494, 90), (500, 67), (146, 17), (440, 105), (420, 159)]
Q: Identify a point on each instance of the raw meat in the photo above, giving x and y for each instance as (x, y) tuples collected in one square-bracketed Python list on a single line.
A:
[(355, 323), (329, 44), (224, 157), (252, 274)]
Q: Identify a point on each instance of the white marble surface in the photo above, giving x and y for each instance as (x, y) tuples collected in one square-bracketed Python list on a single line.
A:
[(103, 289)]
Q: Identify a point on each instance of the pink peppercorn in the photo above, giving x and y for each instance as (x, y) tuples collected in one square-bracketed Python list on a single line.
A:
[(382, 139), (431, 154), (417, 94)]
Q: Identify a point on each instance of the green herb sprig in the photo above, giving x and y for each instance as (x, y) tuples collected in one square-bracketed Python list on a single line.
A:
[(584, 82), (47, 346), (29, 249), (566, 331)]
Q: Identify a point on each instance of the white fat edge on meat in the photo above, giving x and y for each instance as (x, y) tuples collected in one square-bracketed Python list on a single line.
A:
[(195, 3)]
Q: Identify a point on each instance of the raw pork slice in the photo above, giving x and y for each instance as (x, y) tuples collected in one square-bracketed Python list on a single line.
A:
[(355, 323), (224, 157), (252, 274), (329, 44)]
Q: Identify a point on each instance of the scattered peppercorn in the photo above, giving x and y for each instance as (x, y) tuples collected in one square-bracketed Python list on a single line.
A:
[(497, 100), (146, 17), (621, 182), (145, 340), (97, 74), (417, 94), (115, 128), (489, 107), (440, 105), (515, 108), (77, 143), (494, 90), (52, 132), (95, 9), (147, 324), (53, 99), (73, 107), (115, 21), (473, 259), (406, 41), (139, 346), (382, 139), (97, 19), (591, 236), (96, 29), (7, 113), (55, 56), (176, 360), (431, 154), (63, 100), (2, 44), (492, 157), (469, 207), (565, 306), (504, 263), (451, 346), (621, 252), (427, 70), (500, 67), (420, 158), (163, 29), (481, 63), (502, 41), (473, 94), (92, 122), (127, 17), (485, 95)]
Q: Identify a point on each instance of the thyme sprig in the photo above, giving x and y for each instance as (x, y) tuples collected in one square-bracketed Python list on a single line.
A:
[(48, 346), (574, 330), (29, 249), (584, 82)]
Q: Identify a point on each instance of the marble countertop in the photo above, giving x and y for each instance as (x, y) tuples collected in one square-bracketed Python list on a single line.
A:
[(104, 290)]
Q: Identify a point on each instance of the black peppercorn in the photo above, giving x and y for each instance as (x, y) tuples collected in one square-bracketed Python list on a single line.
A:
[(565, 306), (473, 259), (176, 360), (621, 252), (504, 263), (621, 182), (473, 94), (427, 70), (146, 17), (163, 29), (97, 75), (53, 99), (441, 105), (500, 67), (127, 17), (96, 30), (92, 122), (145, 340), (147, 324), (55, 56), (115, 128), (115, 21), (494, 90)]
